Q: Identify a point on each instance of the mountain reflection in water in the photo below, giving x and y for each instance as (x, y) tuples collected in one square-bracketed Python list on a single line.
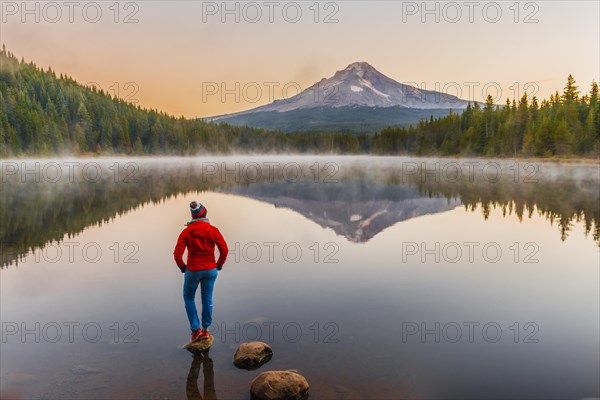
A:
[(357, 197)]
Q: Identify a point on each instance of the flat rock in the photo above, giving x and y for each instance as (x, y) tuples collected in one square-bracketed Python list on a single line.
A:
[(199, 346), (252, 355), (279, 385)]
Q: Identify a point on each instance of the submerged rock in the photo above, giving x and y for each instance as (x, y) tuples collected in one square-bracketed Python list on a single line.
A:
[(84, 370), (279, 385), (345, 393), (252, 355)]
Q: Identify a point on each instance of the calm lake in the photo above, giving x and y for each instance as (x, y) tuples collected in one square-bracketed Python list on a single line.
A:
[(377, 278)]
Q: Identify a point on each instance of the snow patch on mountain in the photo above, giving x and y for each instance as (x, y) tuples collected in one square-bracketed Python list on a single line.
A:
[(370, 86)]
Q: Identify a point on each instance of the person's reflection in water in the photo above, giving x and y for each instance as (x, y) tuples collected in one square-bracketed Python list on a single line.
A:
[(192, 390)]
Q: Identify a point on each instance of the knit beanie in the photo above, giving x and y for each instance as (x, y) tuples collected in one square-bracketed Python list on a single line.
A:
[(198, 210)]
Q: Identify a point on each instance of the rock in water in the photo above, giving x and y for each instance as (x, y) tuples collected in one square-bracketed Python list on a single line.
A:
[(252, 355), (200, 346), (279, 385)]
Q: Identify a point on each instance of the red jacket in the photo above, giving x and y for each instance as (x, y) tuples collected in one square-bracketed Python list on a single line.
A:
[(200, 239)]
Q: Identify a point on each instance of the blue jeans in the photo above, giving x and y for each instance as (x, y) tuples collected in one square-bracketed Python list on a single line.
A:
[(206, 279)]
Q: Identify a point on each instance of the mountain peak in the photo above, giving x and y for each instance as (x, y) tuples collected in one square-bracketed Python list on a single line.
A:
[(359, 68), (359, 65)]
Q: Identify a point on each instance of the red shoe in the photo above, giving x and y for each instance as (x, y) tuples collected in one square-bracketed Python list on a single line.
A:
[(204, 335), (197, 335)]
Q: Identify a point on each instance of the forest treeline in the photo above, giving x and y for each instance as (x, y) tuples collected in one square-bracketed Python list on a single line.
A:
[(45, 114), (567, 124)]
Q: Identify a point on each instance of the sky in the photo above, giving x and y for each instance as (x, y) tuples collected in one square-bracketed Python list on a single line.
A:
[(203, 58)]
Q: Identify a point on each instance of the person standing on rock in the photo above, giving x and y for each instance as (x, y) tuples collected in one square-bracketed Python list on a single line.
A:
[(200, 238)]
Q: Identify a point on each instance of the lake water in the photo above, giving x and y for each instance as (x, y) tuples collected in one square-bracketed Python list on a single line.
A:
[(378, 278)]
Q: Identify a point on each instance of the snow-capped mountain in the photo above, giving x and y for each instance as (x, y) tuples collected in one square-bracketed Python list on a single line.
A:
[(359, 84), (357, 98)]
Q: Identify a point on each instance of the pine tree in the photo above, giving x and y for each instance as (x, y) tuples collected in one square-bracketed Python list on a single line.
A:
[(83, 123), (489, 112), (571, 92), (594, 94), (595, 107), (79, 140), (589, 133), (138, 147)]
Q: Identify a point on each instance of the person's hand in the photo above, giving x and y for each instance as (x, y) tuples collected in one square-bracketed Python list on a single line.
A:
[(182, 269), (219, 267)]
